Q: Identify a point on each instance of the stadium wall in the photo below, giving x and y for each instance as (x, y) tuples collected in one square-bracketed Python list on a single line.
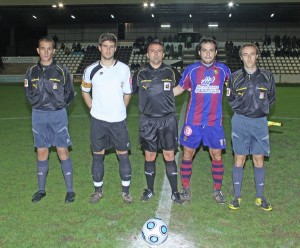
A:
[(225, 31)]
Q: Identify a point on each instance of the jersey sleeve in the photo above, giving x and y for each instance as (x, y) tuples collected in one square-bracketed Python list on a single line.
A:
[(127, 84), (86, 84), (135, 86), (69, 88), (227, 75), (185, 81), (30, 91), (271, 93), (177, 76), (230, 91)]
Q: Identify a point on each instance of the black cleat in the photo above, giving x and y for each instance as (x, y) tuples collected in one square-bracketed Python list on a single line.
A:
[(38, 196), (147, 194), (70, 197), (176, 198)]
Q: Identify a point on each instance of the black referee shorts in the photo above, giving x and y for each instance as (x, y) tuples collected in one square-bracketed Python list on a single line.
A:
[(107, 135), (157, 134)]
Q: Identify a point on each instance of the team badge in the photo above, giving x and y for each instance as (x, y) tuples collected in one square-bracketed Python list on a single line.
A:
[(167, 86), (216, 72), (26, 83), (188, 131), (55, 86)]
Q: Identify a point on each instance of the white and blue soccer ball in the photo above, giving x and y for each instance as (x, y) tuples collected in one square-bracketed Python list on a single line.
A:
[(155, 231)]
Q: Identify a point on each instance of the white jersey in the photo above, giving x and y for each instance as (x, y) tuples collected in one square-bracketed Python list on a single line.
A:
[(108, 84)]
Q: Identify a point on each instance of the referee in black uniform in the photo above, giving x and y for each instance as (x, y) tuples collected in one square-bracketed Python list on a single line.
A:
[(158, 123)]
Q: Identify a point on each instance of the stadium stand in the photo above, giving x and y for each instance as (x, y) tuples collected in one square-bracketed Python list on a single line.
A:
[(123, 54), (71, 61)]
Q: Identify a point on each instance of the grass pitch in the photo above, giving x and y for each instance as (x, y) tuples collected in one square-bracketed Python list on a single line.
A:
[(111, 223)]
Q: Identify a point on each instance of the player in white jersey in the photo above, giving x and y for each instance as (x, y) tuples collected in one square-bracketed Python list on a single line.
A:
[(110, 82)]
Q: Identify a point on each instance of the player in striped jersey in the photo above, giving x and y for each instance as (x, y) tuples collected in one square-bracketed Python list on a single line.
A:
[(203, 122)]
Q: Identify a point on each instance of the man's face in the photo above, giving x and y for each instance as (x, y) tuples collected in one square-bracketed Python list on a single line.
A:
[(249, 57), (107, 49), (46, 52), (155, 54), (208, 52)]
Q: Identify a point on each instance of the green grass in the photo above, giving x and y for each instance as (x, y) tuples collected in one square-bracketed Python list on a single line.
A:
[(52, 223)]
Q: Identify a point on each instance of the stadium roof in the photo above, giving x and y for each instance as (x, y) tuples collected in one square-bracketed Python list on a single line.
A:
[(16, 12)]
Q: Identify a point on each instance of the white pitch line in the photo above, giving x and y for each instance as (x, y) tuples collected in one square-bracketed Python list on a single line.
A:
[(163, 211)]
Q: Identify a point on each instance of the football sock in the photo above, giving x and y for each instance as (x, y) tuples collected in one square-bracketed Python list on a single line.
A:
[(67, 169), (186, 172), (150, 172), (42, 171), (217, 170), (237, 177), (171, 171), (259, 177), (98, 171), (125, 171)]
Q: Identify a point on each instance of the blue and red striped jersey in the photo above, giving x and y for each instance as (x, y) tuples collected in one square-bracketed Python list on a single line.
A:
[(206, 84)]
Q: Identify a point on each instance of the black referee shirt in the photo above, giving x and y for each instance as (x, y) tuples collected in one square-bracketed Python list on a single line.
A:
[(251, 95), (155, 90)]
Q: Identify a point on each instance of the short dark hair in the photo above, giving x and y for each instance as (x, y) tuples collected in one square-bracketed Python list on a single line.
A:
[(108, 36), (155, 42), (206, 39), (249, 45), (47, 39)]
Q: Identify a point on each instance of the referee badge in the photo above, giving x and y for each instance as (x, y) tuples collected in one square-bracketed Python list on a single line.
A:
[(55, 86), (26, 83), (167, 86), (261, 95), (228, 92)]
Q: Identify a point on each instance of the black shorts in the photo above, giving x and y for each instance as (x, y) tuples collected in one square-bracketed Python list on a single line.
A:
[(157, 134), (107, 135)]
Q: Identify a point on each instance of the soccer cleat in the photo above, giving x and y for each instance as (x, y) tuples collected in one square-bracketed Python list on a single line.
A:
[(147, 195), (176, 198), (219, 197), (235, 203), (70, 197), (185, 194), (38, 196), (126, 198), (96, 197), (262, 202)]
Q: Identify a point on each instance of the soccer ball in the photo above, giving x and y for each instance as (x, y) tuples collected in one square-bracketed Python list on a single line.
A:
[(155, 231)]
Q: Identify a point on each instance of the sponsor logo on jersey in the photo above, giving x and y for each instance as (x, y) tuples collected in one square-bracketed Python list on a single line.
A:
[(208, 80)]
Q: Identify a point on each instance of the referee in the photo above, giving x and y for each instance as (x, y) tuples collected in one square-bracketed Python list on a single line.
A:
[(49, 90), (158, 124), (250, 92)]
